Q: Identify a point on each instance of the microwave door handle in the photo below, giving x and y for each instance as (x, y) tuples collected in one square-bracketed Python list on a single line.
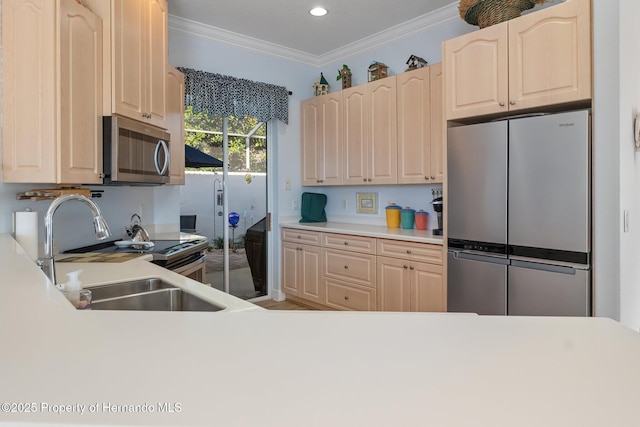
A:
[(162, 144)]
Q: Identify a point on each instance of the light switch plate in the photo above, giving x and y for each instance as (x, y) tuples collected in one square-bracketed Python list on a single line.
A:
[(636, 131)]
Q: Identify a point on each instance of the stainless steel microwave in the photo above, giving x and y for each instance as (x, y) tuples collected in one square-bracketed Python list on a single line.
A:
[(134, 152)]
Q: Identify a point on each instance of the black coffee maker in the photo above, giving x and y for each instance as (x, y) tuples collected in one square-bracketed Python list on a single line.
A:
[(437, 206)]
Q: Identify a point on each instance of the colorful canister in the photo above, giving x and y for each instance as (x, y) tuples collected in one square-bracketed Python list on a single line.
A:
[(407, 217), (393, 215), (421, 220)]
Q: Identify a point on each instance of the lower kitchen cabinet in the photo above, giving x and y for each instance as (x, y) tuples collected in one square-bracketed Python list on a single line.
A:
[(301, 271), (342, 295), (409, 286), (355, 272)]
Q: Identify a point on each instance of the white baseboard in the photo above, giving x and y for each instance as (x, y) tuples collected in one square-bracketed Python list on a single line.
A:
[(278, 295)]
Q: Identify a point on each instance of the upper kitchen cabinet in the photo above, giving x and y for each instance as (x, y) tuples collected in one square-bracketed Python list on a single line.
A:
[(322, 140), (420, 125), (370, 133), (539, 59), (51, 92), (135, 46), (175, 124)]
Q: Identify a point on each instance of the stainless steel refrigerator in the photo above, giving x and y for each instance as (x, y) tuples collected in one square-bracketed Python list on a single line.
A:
[(518, 214)]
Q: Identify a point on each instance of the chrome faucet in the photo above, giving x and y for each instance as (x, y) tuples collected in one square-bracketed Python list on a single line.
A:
[(100, 227)]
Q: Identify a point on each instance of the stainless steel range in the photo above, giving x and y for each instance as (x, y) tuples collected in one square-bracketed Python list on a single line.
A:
[(185, 257)]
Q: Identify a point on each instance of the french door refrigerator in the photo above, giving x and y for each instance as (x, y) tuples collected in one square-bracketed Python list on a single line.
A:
[(519, 216)]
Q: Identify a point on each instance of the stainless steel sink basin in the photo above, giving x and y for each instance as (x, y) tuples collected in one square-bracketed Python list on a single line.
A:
[(147, 295), (114, 290)]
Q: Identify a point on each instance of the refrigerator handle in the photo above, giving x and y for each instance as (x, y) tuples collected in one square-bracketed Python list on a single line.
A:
[(544, 267), (481, 258)]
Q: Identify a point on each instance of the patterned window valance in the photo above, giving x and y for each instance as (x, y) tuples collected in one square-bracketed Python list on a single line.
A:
[(230, 96)]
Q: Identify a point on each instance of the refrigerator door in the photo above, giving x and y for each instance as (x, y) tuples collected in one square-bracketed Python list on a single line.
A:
[(477, 182), (549, 195), (476, 284), (548, 290)]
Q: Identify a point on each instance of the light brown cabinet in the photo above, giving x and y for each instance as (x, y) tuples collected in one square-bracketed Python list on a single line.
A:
[(420, 125), (301, 271), (52, 92), (409, 286), (410, 276), (370, 133), (135, 46), (539, 59), (354, 272), (322, 140), (175, 124)]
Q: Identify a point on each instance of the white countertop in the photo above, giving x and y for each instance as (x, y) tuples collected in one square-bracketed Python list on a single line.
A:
[(289, 368), (420, 236)]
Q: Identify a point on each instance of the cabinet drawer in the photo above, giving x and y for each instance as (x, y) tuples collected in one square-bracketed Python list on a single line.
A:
[(301, 236), (350, 266), (424, 252), (345, 296), (365, 245)]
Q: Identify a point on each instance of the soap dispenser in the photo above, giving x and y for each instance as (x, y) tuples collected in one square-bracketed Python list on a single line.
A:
[(80, 298)]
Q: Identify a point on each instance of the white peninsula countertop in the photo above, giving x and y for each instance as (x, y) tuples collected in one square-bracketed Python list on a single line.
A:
[(60, 366), (377, 231)]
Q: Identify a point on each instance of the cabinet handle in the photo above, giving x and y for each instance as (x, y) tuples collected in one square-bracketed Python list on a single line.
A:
[(346, 243), (364, 179), (427, 178), (346, 267), (346, 297), (405, 267), (501, 104), (411, 268), (369, 179), (408, 251), (512, 102), (433, 177), (299, 236)]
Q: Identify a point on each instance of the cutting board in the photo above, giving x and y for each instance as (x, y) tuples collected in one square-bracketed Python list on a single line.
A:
[(98, 257)]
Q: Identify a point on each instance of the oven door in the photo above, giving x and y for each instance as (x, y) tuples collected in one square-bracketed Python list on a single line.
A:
[(194, 269)]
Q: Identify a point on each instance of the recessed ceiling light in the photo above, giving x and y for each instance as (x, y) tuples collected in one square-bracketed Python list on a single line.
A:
[(318, 11)]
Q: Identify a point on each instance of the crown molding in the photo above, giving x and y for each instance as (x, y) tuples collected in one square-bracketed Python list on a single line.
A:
[(398, 32)]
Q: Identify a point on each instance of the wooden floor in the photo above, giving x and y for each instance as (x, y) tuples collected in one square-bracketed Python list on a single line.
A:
[(282, 305)]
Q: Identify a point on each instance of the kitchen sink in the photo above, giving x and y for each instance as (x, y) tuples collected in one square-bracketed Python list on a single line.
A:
[(147, 295), (120, 289)]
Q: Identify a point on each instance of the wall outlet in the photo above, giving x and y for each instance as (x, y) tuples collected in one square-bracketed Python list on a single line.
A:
[(344, 204), (294, 205), (625, 222)]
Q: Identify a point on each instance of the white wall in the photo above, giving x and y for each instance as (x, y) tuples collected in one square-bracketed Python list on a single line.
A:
[(629, 158)]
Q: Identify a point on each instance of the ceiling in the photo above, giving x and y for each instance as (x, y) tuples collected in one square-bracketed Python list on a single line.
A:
[(287, 23)]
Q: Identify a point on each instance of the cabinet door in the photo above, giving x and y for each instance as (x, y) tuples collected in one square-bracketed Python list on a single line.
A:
[(414, 126), (382, 135), (438, 125), (355, 145), (310, 133), (331, 155), (427, 287), (175, 124), (550, 56), (476, 70), (28, 86), (80, 59), (155, 39), (347, 296), (310, 273), (128, 57), (291, 275), (394, 292)]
